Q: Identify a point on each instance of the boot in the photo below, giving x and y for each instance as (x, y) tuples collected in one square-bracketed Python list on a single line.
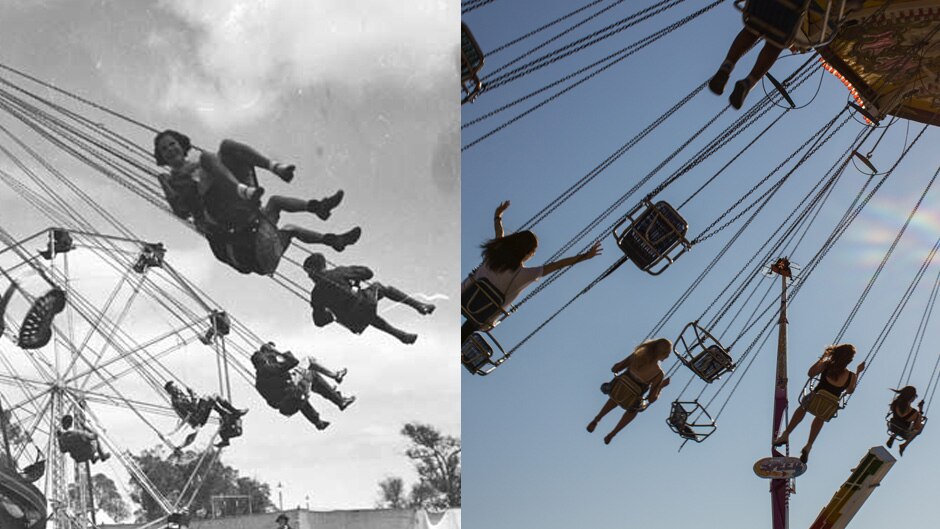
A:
[(284, 171), (347, 403), (340, 375), (323, 208), (340, 242)]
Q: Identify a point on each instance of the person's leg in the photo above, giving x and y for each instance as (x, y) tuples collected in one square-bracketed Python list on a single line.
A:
[(608, 406), (98, 449), (768, 55), (467, 330), (243, 155), (315, 366), (392, 293), (337, 242), (739, 46), (628, 416), (384, 326), (794, 421), (311, 414), (814, 430)]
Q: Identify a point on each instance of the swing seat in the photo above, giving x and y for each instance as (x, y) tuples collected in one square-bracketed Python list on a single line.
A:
[(34, 471), (904, 429), (471, 61), (482, 303), (654, 234), (61, 243), (151, 255), (680, 421), (777, 21), (820, 25), (821, 404), (36, 330), (476, 354), (702, 353), (627, 392)]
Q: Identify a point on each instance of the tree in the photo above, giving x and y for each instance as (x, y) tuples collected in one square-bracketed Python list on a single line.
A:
[(106, 497), (436, 457), (170, 476), (393, 493)]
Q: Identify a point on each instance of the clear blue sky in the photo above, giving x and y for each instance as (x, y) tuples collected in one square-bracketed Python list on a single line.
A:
[(528, 461), (357, 96)]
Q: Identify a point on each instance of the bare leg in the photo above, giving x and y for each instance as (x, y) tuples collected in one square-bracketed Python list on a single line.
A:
[(337, 242), (394, 294), (625, 420), (242, 155), (768, 55), (317, 368), (814, 430), (382, 325), (608, 406), (741, 44), (794, 422)]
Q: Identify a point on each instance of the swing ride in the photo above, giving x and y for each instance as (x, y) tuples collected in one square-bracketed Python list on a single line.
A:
[(719, 346), (102, 326)]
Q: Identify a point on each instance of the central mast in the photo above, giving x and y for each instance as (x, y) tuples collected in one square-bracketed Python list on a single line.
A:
[(780, 488)]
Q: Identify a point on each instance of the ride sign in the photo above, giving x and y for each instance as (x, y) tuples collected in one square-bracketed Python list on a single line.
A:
[(779, 467)]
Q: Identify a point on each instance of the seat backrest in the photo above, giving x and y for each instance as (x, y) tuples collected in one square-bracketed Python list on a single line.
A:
[(481, 301)]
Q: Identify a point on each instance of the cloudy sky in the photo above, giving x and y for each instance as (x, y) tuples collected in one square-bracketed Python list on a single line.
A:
[(360, 97)]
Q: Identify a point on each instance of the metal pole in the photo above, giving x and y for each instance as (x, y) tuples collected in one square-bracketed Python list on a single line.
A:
[(780, 488)]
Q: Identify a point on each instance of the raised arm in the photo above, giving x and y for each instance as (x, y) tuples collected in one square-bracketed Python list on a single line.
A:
[(498, 218), (355, 272), (854, 381), (818, 367), (548, 268), (622, 365)]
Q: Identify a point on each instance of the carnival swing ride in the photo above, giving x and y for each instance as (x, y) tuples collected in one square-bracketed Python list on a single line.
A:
[(101, 330), (886, 55)]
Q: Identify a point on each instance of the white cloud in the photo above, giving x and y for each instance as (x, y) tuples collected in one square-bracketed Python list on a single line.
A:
[(247, 54)]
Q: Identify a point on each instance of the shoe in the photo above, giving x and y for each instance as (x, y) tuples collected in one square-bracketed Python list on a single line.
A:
[(890, 442), (283, 171), (323, 208), (741, 88), (804, 455), (322, 425), (347, 403), (425, 308), (340, 242), (206, 338), (408, 339), (340, 375), (780, 441), (718, 81), (591, 426), (104, 457)]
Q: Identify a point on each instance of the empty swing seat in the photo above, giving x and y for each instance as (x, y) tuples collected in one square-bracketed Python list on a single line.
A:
[(654, 232), (682, 422), (471, 61), (476, 354), (482, 303), (776, 20), (821, 404), (702, 353), (36, 330)]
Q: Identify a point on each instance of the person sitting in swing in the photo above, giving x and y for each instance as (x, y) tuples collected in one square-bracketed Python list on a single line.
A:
[(502, 266), (80, 443), (220, 194), (337, 296), (259, 250), (194, 411), (834, 380), (906, 421), (642, 368), (288, 391)]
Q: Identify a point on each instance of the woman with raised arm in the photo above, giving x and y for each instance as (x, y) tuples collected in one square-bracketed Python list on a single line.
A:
[(502, 269), (834, 380), (905, 421)]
